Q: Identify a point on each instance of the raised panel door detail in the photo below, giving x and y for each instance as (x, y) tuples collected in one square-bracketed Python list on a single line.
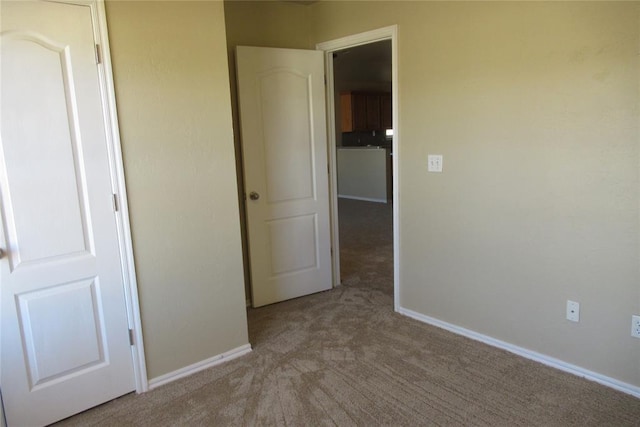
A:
[(46, 207), (73, 308), (294, 244), (288, 138)]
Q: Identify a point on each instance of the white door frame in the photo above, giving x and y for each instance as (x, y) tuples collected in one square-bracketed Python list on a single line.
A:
[(105, 76), (386, 33)]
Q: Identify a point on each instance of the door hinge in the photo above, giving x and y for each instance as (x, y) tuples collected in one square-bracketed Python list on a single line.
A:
[(98, 55), (131, 340), (116, 205), (325, 79)]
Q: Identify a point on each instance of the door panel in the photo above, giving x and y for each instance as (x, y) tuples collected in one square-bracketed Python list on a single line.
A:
[(51, 356), (294, 244), (49, 96), (282, 115), (65, 344), (288, 142)]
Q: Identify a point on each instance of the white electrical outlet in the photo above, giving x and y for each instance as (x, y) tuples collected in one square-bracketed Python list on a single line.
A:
[(635, 326), (573, 311), (434, 163)]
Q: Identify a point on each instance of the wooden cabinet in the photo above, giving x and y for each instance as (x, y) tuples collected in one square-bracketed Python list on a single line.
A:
[(365, 111), (357, 111), (373, 112), (386, 111)]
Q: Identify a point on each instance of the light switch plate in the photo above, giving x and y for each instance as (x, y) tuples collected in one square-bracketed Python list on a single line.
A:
[(434, 163)]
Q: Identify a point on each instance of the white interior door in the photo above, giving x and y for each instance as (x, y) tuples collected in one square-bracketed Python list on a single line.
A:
[(284, 145), (65, 341)]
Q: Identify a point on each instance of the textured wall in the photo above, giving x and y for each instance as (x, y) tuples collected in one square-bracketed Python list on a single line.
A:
[(535, 107), (172, 90)]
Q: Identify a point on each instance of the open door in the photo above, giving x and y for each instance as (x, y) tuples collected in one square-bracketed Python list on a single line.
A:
[(284, 145)]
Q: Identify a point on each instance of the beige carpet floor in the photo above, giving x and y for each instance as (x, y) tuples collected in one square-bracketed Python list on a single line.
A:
[(343, 357)]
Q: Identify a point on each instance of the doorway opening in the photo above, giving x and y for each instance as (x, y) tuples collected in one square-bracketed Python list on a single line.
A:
[(362, 114)]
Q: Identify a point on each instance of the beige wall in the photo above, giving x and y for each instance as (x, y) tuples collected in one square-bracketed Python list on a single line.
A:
[(172, 90), (266, 24), (535, 108)]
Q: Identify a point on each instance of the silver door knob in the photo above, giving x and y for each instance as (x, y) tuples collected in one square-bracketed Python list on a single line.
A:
[(254, 196)]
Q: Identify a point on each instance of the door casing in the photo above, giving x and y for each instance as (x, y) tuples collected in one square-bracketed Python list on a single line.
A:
[(385, 33), (105, 74)]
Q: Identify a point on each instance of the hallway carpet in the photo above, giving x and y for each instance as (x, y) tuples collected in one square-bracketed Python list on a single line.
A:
[(343, 357)]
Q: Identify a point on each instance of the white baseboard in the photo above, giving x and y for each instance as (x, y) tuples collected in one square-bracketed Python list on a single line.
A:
[(364, 199), (528, 354), (197, 367)]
